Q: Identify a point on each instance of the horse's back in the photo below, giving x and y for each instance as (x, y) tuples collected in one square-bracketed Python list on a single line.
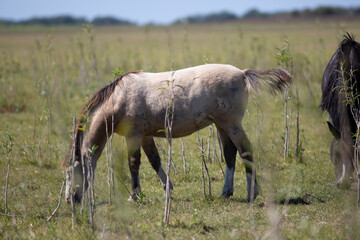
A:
[(200, 94), (187, 75)]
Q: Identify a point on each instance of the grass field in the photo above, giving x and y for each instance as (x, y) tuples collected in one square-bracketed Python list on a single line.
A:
[(46, 75)]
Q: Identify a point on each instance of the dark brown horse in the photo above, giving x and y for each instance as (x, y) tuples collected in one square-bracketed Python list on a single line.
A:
[(135, 105), (340, 97)]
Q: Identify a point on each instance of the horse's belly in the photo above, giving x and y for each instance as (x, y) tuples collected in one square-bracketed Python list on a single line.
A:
[(185, 128), (180, 127)]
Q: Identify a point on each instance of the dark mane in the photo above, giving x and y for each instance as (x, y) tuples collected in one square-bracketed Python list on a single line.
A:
[(104, 93), (348, 39), (96, 99), (342, 72)]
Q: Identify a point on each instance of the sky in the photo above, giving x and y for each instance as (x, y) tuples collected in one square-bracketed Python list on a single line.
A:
[(151, 11)]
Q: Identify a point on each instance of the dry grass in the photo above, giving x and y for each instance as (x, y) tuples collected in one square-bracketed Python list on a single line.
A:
[(42, 72)]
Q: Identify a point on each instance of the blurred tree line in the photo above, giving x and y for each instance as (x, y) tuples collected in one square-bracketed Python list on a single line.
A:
[(67, 20), (323, 11)]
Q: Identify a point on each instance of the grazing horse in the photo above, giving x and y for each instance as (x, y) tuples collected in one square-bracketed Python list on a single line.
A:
[(135, 105), (340, 92)]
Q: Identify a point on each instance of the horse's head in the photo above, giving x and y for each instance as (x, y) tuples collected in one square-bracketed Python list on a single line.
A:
[(75, 182), (75, 177), (341, 155)]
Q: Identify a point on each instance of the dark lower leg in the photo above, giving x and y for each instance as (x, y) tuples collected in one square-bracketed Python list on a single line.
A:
[(134, 164), (252, 185), (151, 152), (243, 145), (230, 156)]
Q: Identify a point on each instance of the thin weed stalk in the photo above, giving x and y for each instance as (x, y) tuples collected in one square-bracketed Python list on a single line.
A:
[(208, 144), (111, 149), (73, 148), (107, 158), (91, 193), (59, 202), (283, 57), (214, 146), (202, 153), (202, 168), (298, 151), (8, 145), (83, 64), (88, 28), (7, 183), (51, 74), (183, 155), (84, 182), (169, 119), (220, 146)]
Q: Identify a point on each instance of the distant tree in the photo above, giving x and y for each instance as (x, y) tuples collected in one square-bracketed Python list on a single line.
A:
[(254, 13), (5, 22), (213, 17), (220, 17), (330, 11), (57, 20), (357, 11), (295, 13), (322, 11), (110, 21)]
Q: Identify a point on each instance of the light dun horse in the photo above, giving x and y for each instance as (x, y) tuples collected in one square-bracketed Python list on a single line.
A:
[(341, 82), (134, 103)]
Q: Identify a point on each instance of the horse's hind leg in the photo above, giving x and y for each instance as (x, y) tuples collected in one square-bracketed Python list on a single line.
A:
[(243, 145), (151, 152), (134, 155), (230, 156)]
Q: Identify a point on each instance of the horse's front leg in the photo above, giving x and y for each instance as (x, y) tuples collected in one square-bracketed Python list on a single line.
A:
[(152, 153), (134, 156)]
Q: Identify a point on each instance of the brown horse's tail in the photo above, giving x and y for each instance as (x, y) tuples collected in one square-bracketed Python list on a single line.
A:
[(273, 80)]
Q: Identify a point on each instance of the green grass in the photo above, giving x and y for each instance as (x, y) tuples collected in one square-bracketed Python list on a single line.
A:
[(43, 71)]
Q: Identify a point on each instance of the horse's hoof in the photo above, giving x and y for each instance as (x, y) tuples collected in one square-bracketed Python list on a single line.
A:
[(132, 198), (171, 186), (136, 195), (227, 194), (343, 184), (249, 200)]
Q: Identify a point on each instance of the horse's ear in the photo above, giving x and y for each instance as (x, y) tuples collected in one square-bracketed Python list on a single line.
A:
[(333, 130)]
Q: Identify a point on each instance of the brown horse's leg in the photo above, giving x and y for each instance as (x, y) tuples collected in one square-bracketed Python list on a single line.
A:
[(151, 152), (134, 156), (243, 145), (230, 156)]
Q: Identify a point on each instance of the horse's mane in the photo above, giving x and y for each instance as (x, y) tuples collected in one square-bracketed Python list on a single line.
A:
[(344, 60), (96, 99)]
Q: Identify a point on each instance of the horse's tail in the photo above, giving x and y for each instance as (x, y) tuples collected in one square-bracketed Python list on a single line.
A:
[(273, 80)]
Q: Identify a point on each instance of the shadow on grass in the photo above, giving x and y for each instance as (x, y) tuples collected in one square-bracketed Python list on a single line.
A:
[(307, 199), (294, 201), (198, 225), (238, 200)]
